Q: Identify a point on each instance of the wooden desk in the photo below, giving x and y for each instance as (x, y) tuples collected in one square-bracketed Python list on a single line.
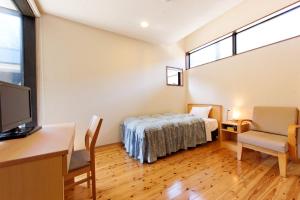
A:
[(33, 168)]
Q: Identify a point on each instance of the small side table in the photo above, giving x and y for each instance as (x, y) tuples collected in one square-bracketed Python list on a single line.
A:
[(229, 131)]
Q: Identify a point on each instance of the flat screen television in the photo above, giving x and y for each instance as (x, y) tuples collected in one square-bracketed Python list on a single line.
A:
[(15, 106)]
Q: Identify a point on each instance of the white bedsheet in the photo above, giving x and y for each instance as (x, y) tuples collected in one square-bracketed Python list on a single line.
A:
[(210, 125)]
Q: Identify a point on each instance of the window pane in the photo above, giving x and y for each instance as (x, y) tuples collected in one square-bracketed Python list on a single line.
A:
[(10, 46), (8, 4), (173, 80), (219, 50), (280, 28)]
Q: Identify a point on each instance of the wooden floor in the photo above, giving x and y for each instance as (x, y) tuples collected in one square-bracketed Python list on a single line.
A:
[(205, 172)]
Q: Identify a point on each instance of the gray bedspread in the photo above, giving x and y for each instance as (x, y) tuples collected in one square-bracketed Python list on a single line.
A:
[(148, 137)]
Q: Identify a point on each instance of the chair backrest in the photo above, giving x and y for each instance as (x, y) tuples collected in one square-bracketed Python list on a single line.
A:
[(274, 119), (92, 134)]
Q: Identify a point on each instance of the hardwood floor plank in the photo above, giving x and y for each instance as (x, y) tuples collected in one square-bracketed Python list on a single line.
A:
[(204, 172)]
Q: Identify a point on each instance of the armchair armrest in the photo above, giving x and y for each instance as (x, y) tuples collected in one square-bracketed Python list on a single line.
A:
[(292, 141), (240, 123)]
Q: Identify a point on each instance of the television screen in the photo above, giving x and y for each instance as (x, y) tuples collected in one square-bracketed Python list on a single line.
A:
[(15, 106)]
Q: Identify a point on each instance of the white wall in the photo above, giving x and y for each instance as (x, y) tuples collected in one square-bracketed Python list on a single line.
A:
[(85, 71), (266, 76)]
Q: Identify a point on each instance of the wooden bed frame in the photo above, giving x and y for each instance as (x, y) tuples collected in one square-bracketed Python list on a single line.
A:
[(216, 112)]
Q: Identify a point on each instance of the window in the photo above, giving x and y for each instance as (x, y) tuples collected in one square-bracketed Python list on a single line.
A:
[(215, 50), (10, 44), (174, 76), (274, 28), (18, 47), (279, 26)]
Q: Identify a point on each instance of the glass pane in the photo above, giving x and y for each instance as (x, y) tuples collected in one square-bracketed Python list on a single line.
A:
[(280, 28), (8, 4), (219, 50), (10, 47), (173, 80)]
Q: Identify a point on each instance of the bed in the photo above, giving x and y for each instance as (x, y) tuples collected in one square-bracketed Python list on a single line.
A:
[(146, 138)]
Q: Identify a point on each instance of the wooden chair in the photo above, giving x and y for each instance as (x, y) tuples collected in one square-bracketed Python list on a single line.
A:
[(83, 161), (274, 132)]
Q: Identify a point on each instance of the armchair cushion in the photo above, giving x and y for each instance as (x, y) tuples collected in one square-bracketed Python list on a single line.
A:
[(274, 119), (265, 140)]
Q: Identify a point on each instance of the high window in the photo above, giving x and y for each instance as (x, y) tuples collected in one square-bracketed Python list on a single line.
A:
[(215, 50), (274, 28), (279, 26)]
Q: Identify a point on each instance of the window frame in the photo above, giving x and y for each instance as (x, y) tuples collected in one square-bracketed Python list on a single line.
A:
[(29, 63), (180, 84), (234, 34)]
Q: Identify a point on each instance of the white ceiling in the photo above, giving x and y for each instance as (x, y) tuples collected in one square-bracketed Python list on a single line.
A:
[(169, 20)]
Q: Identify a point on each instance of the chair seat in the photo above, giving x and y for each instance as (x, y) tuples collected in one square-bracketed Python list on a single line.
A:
[(265, 140), (79, 159)]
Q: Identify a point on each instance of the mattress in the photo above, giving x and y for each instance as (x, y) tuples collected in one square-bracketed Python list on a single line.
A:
[(211, 125)]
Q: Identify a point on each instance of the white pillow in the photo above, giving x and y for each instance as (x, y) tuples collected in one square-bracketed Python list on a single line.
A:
[(202, 112)]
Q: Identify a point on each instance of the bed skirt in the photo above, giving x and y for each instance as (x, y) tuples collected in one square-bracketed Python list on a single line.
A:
[(147, 138)]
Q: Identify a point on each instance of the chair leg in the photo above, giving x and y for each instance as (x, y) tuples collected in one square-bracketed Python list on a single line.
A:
[(88, 175), (69, 182), (93, 182), (282, 160), (239, 151)]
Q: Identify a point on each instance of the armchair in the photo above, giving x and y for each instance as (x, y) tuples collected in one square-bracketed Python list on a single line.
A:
[(273, 131)]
